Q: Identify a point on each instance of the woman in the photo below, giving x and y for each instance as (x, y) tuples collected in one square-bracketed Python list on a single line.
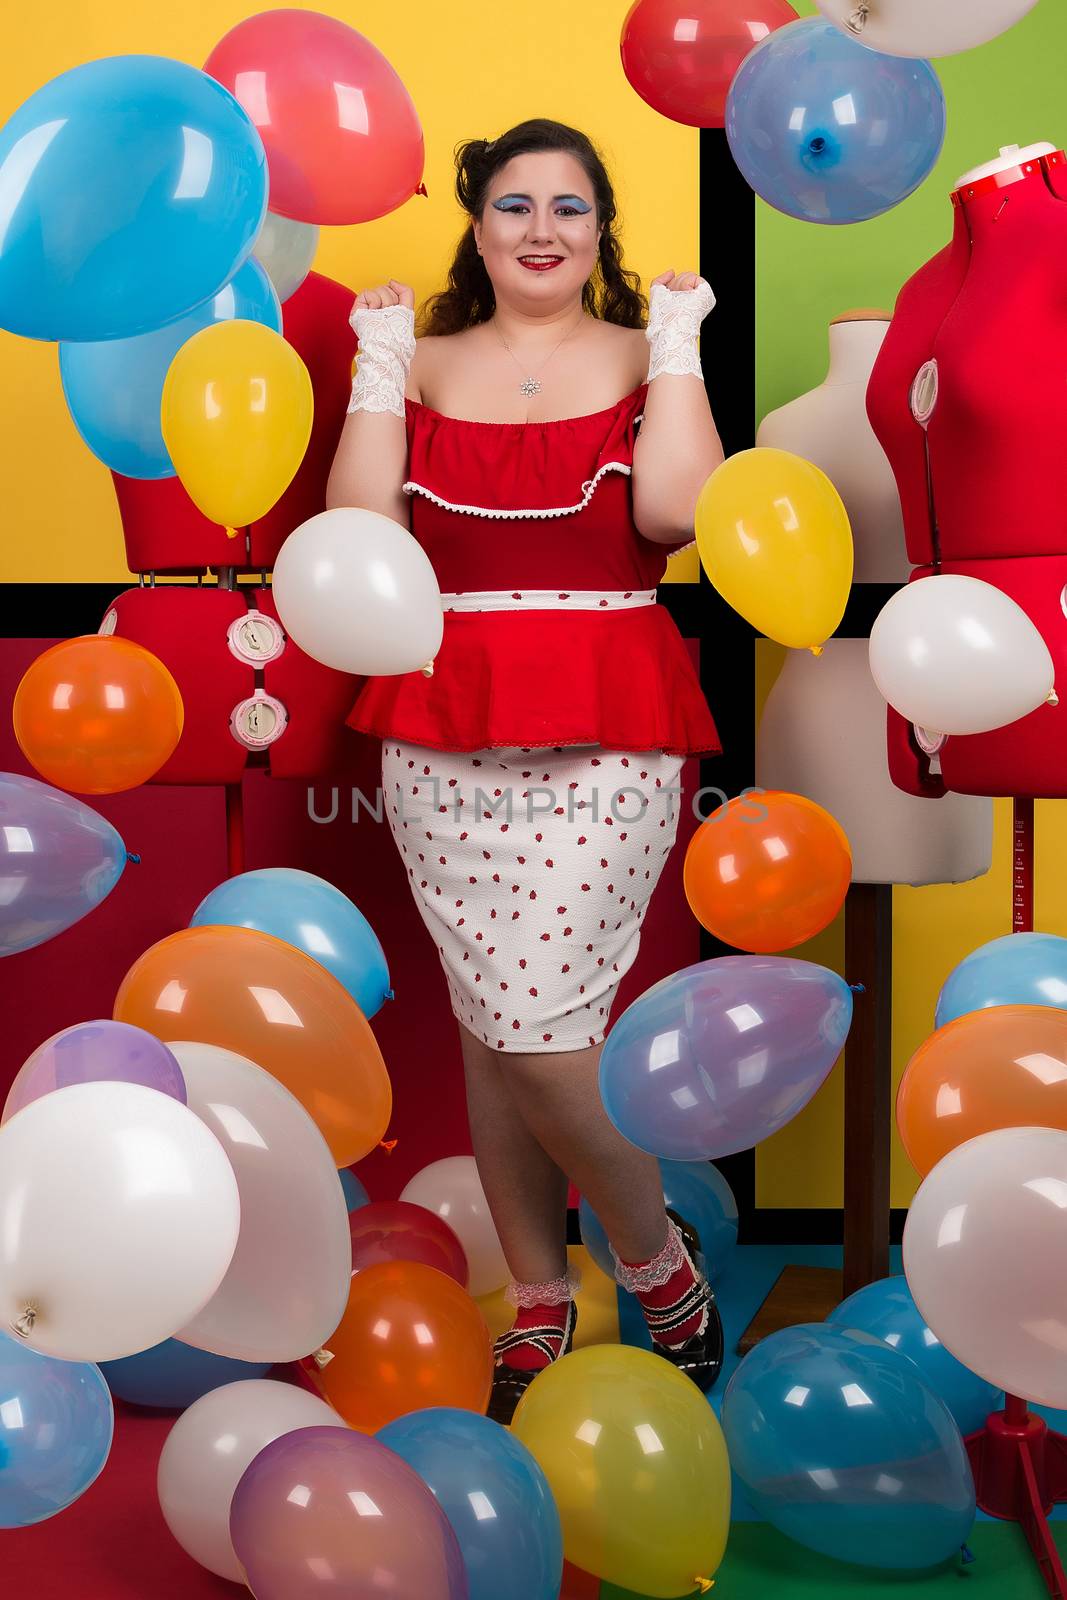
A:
[(562, 695)]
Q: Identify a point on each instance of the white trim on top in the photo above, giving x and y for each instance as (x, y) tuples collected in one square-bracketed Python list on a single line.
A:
[(588, 489)]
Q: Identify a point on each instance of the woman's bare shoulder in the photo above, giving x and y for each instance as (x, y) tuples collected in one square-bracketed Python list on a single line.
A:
[(428, 359)]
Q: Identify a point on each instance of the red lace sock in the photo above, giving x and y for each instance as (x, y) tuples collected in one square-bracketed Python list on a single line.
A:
[(541, 1328), (673, 1295)]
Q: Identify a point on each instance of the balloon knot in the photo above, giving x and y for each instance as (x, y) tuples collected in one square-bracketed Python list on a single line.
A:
[(858, 988), (1052, 698), (390, 994), (856, 21), (131, 856), (816, 649), (388, 1145), (967, 1555), (23, 1324), (427, 670), (705, 1585), (231, 533), (321, 1358), (422, 189)]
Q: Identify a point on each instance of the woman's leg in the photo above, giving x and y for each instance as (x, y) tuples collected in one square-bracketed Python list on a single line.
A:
[(526, 1190), (558, 1095)]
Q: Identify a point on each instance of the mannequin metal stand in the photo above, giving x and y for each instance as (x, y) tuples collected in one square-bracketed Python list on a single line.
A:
[(809, 1294), (1019, 1462)]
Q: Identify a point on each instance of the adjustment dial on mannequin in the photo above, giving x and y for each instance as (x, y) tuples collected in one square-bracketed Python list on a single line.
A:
[(829, 426)]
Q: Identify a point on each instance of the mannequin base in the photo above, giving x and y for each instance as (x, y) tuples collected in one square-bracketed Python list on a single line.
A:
[(1020, 1473)]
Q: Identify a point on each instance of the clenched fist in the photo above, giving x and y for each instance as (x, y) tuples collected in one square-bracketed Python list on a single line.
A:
[(392, 293)]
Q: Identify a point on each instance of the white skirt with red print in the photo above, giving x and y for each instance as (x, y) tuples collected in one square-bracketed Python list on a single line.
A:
[(532, 868)]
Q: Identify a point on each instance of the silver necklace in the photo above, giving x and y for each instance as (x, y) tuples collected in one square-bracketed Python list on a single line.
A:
[(531, 385)]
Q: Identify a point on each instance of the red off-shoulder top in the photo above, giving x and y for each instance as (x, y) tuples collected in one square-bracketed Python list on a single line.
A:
[(516, 506)]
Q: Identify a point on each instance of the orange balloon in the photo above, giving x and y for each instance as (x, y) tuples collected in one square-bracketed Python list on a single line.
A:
[(767, 870), (97, 714), (410, 1337), (264, 998), (1002, 1067)]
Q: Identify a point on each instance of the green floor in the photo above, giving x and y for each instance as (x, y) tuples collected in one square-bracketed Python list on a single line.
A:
[(761, 1564)]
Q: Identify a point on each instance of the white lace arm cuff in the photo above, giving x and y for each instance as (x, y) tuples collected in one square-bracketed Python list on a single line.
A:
[(674, 319), (386, 346)]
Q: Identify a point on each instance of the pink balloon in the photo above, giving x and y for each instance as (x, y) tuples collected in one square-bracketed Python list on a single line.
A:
[(325, 1512), (96, 1052), (984, 1246), (397, 1230)]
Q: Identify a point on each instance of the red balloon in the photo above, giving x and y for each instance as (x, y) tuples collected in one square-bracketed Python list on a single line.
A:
[(681, 55), (398, 1230), (343, 139)]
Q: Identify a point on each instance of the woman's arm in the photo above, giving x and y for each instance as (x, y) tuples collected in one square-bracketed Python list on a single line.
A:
[(678, 447), (370, 463)]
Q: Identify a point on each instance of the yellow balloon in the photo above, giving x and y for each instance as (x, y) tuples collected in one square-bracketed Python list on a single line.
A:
[(774, 538), (236, 418), (637, 1464)]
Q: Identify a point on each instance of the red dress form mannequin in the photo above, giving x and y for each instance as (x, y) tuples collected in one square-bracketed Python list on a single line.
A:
[(969, 399), (250, 694)]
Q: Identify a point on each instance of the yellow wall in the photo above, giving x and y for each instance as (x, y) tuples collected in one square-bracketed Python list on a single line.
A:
[(472, 68)]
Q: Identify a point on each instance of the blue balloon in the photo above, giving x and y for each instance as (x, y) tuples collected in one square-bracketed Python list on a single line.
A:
[(1021, 969), (695, 1190), (58, 859), (56, 1423), (114, 388), (840, 1443), (310, 913), (172, 1375), (722, 1054), (888, 1310), (495, 1496), (355, 1194), (828, 131), (131, 189)]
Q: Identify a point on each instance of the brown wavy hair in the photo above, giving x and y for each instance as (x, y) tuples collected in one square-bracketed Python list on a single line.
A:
[(611, 292)]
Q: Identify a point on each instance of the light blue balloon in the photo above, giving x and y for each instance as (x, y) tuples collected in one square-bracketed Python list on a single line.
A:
[(695, 1190), (56, 1423), (888, 1310), (493, 1493), (1021, 969), (172, 1375), (722, 1054), (828, 131), (58, 859), (131, 190), (355, 1195), (114, 388), (840, 1443), (312, 914)]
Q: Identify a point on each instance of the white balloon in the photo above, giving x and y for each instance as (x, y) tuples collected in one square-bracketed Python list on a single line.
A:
[(924, 27), (453, 1189), (957, 655), (206, 1454), (287, 1286), (357, 592), (119, 1216), (984, 1247), (285, 250)]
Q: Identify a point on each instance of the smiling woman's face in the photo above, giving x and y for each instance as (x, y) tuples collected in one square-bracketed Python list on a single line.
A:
[(539, 204)]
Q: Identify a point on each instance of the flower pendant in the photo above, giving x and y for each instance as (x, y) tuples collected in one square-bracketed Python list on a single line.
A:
[(530, 386)]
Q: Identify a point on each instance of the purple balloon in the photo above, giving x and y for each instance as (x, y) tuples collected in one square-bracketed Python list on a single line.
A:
[(58, 859), (326, 1512), (94, 1052), (722, 1054)]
